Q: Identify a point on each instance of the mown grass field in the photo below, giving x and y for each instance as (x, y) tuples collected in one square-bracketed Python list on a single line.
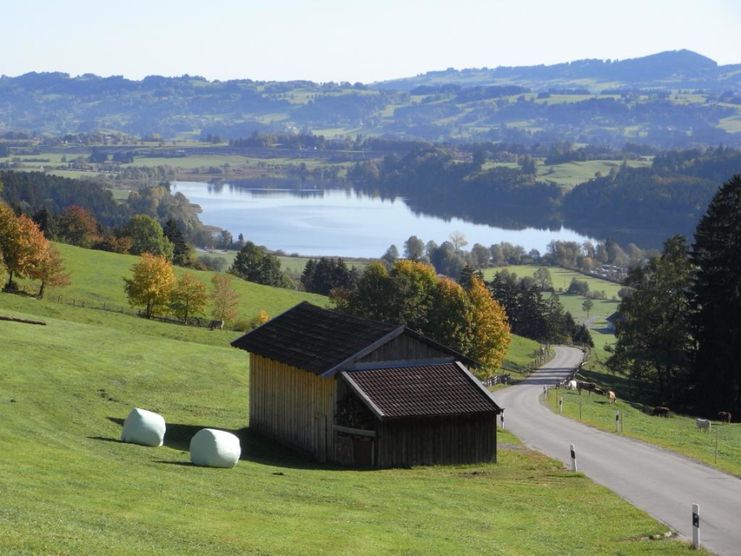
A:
[(678, 433), (70, 487)]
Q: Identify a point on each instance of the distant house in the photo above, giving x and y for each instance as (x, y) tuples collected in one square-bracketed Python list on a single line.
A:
[(614, 320), (365, 393)]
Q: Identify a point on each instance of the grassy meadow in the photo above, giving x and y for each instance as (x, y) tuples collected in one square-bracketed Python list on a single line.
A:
[(561, 278), (678, 433), (97, 278), (70, 487)]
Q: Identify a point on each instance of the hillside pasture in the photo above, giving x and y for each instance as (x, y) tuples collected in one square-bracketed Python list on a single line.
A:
[(561, 278), (98, 278), (71, 487), (678, 433)]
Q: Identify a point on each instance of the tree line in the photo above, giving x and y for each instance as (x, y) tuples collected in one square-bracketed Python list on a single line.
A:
[(679, 331)]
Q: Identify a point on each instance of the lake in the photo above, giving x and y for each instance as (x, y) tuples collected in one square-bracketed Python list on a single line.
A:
[(340, 222)]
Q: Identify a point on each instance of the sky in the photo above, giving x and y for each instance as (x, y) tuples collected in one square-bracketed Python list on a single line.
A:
[(350, 40)]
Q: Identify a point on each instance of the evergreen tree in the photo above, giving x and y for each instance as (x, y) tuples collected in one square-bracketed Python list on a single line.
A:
[(323, 275), (716, 300), (181, 252), (653, 338)]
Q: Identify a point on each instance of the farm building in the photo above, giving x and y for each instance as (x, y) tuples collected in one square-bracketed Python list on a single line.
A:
[(365, 393)]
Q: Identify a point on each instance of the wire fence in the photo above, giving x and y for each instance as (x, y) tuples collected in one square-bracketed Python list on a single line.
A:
[(114, 308)]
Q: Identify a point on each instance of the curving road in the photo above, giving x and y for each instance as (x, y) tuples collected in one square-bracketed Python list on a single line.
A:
[(662, 483)]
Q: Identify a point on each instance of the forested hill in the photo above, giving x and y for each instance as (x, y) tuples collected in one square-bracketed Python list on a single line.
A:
[(671, 69), (675, 99)]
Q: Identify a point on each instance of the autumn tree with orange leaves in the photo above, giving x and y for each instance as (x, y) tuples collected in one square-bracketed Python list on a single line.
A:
[(50, 271), (224, 299), (22, 244), (490, 331), (467, 320)]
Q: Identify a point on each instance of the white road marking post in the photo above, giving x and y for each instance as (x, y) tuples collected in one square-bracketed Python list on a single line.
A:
[(560, 406), (573, 457), (617, 420), (695, 526), (501, 417)]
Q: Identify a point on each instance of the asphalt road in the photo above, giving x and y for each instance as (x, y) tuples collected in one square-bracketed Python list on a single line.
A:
[(661, 483)]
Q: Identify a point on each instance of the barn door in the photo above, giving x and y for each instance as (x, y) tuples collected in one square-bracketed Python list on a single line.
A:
[(320, 436)]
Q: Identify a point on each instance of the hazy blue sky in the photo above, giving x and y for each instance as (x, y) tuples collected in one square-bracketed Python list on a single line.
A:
[(345, 40)]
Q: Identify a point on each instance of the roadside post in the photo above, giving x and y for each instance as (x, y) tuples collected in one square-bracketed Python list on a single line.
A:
[(573, 457), (501, 418), (617, 420), (579, 410), (560, 406), (695, 526), (717, 432)]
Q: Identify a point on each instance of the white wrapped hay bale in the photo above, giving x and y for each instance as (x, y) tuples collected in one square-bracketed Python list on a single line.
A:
[(214, 448), (143, 427)]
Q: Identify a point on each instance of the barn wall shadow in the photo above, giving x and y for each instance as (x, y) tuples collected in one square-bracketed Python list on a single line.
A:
[(255, 447)]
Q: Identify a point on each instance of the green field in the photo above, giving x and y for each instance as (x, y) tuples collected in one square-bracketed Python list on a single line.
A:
[(678, 433), (97, 278), (70, 487), (293, 265), (570, 174), (561, 278)]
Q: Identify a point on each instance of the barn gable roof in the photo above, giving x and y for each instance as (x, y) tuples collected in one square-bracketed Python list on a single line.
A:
[(322, 341), (421, 389)]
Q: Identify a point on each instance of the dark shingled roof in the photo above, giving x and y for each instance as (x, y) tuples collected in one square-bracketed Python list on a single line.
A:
[(314, 339), (421, 390)]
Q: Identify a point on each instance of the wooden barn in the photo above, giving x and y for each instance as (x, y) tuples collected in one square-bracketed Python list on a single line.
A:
[(365, 393)]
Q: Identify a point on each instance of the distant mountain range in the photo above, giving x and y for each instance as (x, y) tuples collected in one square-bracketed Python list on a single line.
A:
[(671, 69), (677, 98)]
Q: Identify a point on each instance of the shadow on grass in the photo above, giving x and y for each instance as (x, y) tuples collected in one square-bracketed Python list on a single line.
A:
[(255, 448), (105, 439)]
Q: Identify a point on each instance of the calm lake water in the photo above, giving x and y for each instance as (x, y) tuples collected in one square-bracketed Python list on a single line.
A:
[(339, 222)]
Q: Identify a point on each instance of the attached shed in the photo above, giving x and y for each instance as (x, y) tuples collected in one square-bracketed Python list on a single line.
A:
[(365, 393)]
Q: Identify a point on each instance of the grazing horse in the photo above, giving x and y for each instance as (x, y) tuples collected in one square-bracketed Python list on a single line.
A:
[(572, 385), (612, 396), (660, 411), (703, 424), (724, 416)]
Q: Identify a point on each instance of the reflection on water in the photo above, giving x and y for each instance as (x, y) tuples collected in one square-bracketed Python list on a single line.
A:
[(313, 221)]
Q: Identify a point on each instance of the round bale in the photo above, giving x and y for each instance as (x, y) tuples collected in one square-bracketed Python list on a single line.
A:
[(143, 427), (214, 448)]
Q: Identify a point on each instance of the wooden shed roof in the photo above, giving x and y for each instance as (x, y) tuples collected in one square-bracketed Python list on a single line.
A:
[(323, 341), (421, 390)]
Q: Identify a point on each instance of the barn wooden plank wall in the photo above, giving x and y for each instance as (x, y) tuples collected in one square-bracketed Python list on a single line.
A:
[(403, 347), (436, 441), (293, 406)]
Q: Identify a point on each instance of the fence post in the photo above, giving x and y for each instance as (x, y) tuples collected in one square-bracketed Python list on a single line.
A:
[(716, 444), (695, 526)]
